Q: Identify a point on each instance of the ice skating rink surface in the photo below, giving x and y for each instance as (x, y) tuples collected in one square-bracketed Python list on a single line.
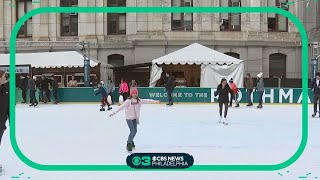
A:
[(81, 134)]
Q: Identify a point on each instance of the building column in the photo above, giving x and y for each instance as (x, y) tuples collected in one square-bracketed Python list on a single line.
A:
[(44, 23), (142, 18), (1, 20), (8, 20), (100, 22), (53, 21), (87, 23), (166, 18), (216, 18), (207, 18), (131, 18)]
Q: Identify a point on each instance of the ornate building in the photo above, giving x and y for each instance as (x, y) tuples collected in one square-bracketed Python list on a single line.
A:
[(268, 43)]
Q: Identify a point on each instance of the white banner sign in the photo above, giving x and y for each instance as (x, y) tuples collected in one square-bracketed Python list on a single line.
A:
[(19, 69)]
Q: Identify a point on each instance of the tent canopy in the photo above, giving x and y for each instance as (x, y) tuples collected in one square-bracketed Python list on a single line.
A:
[(48, 59), (214, 65), (196, 54)]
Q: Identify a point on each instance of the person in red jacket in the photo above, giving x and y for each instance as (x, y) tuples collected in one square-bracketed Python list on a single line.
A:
[(234, 95)]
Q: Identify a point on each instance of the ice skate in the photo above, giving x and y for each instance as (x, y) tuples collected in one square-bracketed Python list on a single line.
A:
[(133, 145), (109, 108), (224, 121), (250, 104), (259, 106), (129, 147), (31, 105), (237, 105), (35, 105), (220, 119), (102, 109), (314, 114)]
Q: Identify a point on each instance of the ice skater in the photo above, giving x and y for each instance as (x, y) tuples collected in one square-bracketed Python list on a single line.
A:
[(4, 105), (32, 87), (260, 89), (132, 106), (124, 89), (234, 94), (249, 87), (169, 87), (315, 87), (104, 100), (223, 91)]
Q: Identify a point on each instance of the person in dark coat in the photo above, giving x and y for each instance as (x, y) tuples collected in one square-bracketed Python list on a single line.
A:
[(49, 81), (249, 88), (169, 87), (103, 94), (315, 87), (4, 103), (223, 90), (55, 86), (32, 88), (38, 85), (260, 89), (44, 86), (24, 87)]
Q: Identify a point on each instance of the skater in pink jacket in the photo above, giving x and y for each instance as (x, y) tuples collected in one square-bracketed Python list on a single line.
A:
[(124, 89), (132, 109)]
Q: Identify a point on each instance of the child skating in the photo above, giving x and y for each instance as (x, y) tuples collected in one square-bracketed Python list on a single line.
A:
[(104, 100), (234, 95), (223, 91), (132, 106)]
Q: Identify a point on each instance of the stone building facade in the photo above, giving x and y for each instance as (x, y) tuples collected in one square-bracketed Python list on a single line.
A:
[(267, 43)]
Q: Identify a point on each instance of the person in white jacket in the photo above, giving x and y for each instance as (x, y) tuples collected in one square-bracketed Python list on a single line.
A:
[(132, 109)]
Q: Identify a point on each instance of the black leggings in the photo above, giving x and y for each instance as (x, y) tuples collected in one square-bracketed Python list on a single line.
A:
[(225, 108)]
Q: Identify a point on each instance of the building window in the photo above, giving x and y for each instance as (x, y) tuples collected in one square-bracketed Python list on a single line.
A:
[(69, 21), (22, 7), (116, 60), (116, 21), (276, 22), (230, 21), (277, 65), (182, 21), (232, 54)]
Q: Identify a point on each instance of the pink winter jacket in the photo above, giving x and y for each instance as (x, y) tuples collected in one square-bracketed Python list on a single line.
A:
[(133, 109), (123, 87)]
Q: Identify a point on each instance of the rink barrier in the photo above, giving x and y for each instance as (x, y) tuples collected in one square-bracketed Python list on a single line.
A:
[(205, 95)]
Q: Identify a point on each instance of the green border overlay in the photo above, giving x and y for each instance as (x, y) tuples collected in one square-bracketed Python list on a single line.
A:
[(259, 167)]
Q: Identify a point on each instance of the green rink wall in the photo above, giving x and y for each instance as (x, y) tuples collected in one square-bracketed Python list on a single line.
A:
[(271, 95)]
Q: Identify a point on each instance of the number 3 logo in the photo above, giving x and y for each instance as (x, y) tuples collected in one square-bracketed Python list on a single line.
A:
[(146, 161)]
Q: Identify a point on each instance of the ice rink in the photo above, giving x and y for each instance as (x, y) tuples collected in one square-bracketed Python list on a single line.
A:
[(81, 134)]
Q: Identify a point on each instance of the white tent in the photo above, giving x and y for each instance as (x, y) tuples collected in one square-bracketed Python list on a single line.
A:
[(214, 65), (47, 59)]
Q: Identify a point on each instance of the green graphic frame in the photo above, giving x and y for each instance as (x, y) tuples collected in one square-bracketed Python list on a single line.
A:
[(239, 167)]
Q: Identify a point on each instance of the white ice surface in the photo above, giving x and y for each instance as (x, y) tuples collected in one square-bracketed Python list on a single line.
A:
[(81, 134)]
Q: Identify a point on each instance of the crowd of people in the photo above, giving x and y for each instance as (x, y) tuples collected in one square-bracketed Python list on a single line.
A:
[(44, 85)]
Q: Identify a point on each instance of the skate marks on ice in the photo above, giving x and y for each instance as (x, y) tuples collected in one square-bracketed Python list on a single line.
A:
[(86, 136)]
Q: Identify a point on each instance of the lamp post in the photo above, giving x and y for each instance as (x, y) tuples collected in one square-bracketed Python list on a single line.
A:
[(83, 48), (314, 60)]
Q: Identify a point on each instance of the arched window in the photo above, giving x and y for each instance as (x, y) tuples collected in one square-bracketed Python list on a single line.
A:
[(232, 54), (116, 21), (116, 60), (277, 65)]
